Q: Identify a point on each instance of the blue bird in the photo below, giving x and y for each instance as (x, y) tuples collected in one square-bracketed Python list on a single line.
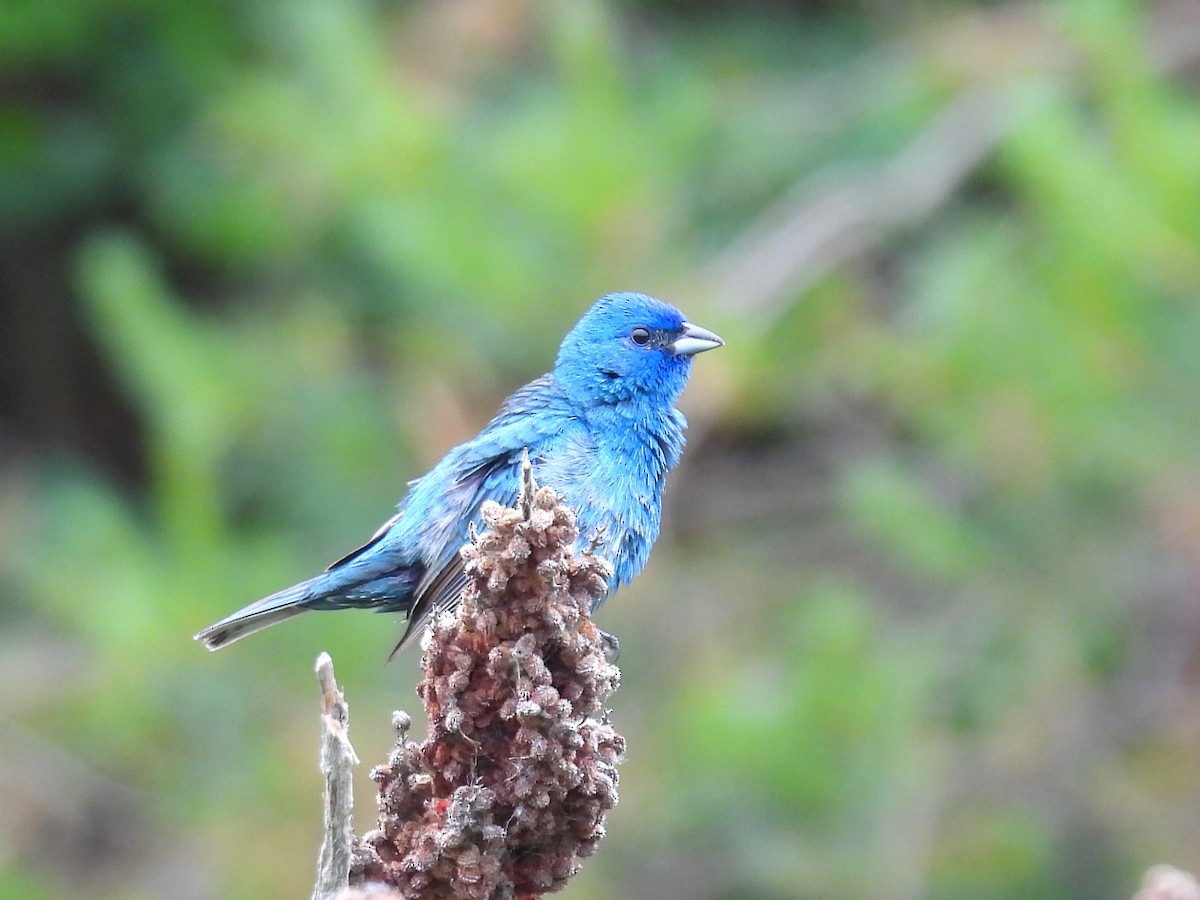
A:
[(601, 429)]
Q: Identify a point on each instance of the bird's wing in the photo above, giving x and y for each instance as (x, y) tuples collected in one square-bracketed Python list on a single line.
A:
[(441, 588), (488, 469), (375, 539), (462, 478)]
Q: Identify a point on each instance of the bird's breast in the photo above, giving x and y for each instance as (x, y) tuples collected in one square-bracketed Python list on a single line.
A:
[(615, 489)]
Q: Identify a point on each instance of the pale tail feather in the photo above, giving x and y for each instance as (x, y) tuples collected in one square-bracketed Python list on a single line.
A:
[(256, 616)]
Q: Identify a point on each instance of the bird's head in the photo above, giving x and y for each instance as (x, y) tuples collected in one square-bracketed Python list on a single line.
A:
[(630, 348)]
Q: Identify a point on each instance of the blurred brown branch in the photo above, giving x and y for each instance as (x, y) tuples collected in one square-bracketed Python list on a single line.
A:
[(831, 217), (826, 221)]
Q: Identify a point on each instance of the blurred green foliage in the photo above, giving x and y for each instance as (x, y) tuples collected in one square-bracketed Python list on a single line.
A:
[(924, 619)]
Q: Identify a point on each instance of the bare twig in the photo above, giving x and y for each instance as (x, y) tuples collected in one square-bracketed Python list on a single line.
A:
[(337, 757)]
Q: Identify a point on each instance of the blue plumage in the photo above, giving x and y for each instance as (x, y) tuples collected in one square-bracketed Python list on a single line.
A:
[(601, 429)]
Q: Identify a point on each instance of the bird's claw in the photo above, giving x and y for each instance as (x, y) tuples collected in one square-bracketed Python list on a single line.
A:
[(610, 644), (598, 539)]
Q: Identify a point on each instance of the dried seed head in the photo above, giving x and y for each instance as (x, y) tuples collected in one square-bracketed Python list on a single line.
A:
[(508, 793)]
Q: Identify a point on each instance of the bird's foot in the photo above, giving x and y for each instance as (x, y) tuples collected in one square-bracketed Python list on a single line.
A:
[(612, 647), (598, 539)]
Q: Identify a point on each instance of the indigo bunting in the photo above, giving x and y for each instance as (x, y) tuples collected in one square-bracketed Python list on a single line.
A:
[(601, 429)]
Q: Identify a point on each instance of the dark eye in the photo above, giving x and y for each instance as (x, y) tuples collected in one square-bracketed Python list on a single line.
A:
[(640, 336)]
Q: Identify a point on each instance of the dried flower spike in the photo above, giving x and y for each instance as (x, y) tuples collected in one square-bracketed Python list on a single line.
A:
[(509, 791)]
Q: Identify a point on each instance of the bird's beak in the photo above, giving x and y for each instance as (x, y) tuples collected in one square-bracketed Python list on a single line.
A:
[(693, 339)]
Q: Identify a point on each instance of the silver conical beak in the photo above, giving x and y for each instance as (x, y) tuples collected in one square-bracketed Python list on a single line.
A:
[(694, 339)]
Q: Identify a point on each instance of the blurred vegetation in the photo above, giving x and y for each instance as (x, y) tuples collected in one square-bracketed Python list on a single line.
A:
[(924, 619)]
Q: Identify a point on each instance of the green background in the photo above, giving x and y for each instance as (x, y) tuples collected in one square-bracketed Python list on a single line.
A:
[(924, 620)]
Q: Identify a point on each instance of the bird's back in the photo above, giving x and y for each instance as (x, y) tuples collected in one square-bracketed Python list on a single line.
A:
[(610, 465)]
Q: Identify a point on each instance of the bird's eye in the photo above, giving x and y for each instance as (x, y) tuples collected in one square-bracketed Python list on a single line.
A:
[(640, 336)]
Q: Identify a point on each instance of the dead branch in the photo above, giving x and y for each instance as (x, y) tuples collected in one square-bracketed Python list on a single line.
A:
[(337, 758)]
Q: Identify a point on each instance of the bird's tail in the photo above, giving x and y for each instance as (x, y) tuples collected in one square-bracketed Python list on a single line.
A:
[(258, 615)]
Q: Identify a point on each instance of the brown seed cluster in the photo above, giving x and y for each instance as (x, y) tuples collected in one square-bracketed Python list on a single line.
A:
[(509, 791)]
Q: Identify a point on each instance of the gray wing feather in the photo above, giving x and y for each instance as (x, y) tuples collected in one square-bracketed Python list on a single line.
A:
[(441, 588)]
